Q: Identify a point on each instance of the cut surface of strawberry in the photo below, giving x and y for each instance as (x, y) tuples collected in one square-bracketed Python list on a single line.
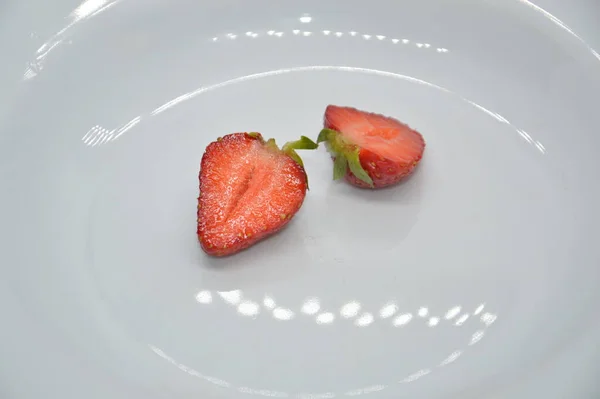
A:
[(249, 189), (370, 150)]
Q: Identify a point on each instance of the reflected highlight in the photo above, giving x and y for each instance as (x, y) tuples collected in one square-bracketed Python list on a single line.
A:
[(561, 24), (450, 358), (204, 297), (325, 318), (311, 306), (364, 320), (461, 320), (452, 313), (269, 302), (231, 297), (402, 319), (248, 308), (192, 94), (350, 309), (388, 310), (283, 314)]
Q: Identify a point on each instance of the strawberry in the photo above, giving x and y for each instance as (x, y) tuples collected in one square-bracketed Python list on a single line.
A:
[(249, 189), (370, 150)]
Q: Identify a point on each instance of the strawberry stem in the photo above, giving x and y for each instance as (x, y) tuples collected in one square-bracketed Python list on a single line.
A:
[(304, 143)]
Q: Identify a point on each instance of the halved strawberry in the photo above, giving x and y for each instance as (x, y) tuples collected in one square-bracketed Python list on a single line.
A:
[(249, 189), (370, 150)]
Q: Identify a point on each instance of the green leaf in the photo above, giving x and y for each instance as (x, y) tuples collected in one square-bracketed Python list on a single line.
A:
[(340, 167), (356, 168), (294, 155), (325, 135), (303, 144)]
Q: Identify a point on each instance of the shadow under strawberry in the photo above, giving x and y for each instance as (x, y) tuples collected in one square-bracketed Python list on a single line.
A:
[(407, 191), (374, 221), (277, 259)]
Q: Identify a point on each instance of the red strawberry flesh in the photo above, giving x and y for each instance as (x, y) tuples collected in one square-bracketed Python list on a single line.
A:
[(249, 190), (388, 149)]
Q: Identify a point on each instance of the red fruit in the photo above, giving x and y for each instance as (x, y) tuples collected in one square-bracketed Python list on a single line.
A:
[(249, 189), (370, 150)]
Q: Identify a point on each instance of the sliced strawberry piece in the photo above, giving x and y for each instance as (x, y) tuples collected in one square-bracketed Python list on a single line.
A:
[(370, 150), (249, 189)]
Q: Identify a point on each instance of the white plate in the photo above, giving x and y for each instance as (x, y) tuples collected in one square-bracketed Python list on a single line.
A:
[(476, 278)]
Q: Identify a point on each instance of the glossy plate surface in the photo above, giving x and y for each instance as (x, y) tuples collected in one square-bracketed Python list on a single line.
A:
[(475, 278)]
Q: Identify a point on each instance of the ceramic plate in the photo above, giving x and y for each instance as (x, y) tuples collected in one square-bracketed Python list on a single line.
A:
[(475, 278)]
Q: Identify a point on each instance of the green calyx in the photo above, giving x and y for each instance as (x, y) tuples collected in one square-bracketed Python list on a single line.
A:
[(346, 155), (288, 148), (304, 143)]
